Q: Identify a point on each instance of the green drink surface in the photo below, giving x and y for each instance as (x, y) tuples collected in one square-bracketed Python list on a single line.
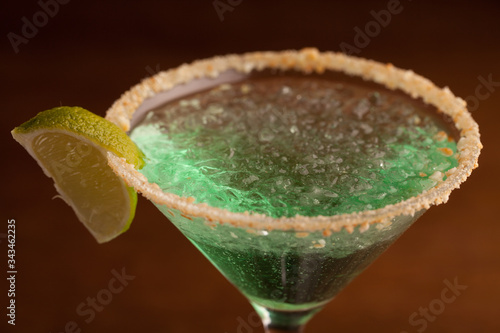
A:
[(286, 146)]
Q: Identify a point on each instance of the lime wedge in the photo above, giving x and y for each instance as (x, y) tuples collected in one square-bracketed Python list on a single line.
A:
[(71, 144)]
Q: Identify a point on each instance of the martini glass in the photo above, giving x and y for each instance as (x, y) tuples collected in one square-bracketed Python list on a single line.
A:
[(290, 267)]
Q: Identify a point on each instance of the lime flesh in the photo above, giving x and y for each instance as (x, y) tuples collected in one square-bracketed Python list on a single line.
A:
[(71, 144)]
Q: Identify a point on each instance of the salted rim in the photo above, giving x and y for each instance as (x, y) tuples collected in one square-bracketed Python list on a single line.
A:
[(307, 60)]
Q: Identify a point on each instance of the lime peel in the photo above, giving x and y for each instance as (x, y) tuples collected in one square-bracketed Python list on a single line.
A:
[(85, 123)]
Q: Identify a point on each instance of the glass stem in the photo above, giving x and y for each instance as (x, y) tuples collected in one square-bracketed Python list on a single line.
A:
[(275, 321)]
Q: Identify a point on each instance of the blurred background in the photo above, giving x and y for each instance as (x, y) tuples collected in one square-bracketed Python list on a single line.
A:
[(87, 53)]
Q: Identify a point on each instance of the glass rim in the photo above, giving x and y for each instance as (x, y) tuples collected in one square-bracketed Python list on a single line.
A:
[(308, 60)]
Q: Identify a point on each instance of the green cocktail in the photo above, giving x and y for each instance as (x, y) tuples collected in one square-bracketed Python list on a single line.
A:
[(291, 183), (283, 146)]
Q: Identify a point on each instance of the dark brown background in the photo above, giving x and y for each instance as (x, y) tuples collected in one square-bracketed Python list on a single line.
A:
[(92, 51)]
